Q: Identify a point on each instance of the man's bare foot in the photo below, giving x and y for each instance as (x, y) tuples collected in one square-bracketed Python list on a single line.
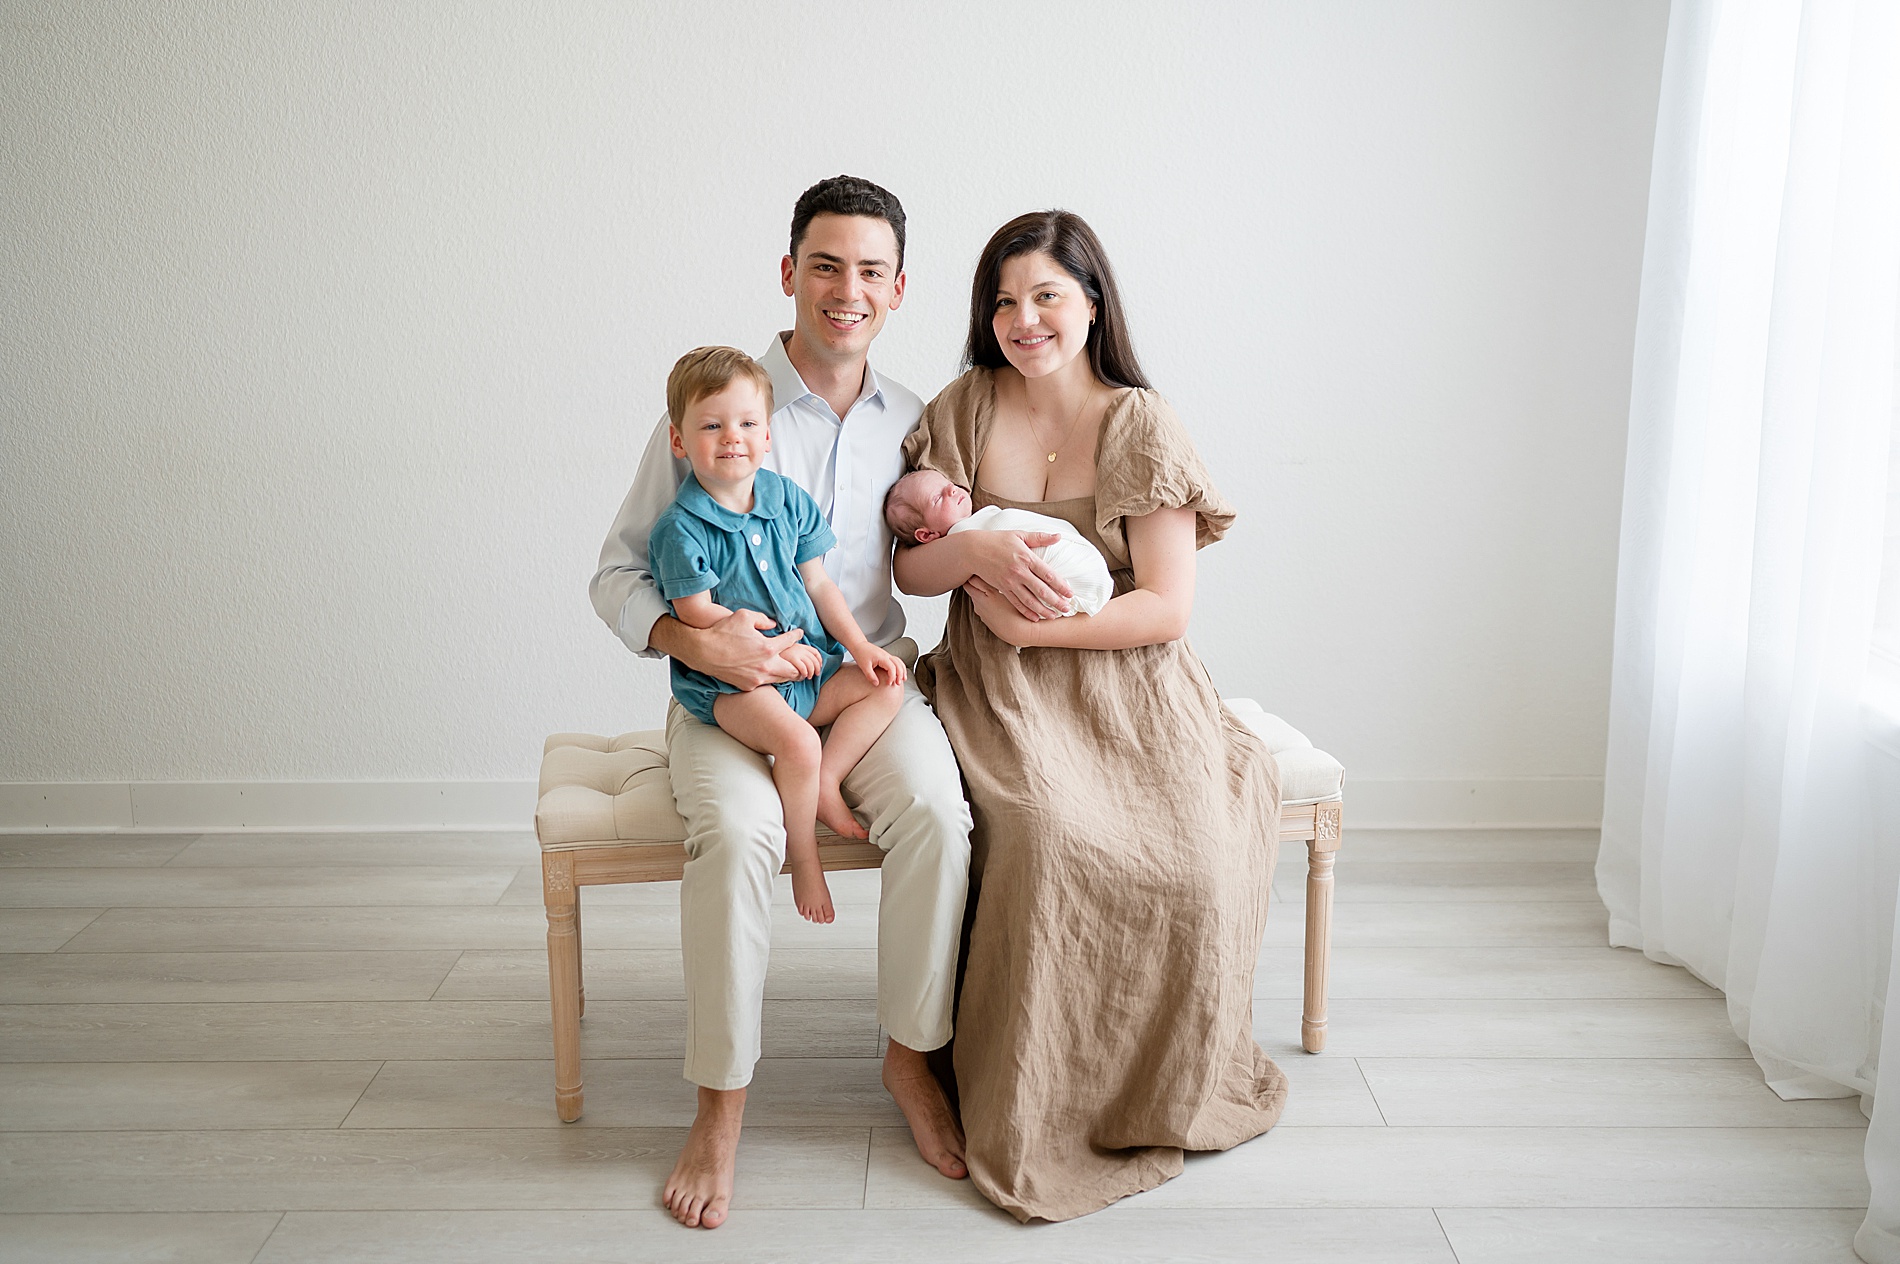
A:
[(908, 1080), (700, 1189), (810, 892), (836, 816)]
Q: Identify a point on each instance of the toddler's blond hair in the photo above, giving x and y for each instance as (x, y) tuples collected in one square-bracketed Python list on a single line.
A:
[(706, 371)]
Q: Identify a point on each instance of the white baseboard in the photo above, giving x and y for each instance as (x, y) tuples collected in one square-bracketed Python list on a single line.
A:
[(196, 807), (1509, 803)]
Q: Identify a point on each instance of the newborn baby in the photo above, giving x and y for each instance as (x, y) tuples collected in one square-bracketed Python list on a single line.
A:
[(924, 506)]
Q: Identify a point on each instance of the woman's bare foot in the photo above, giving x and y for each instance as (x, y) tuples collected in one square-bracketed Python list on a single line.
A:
[(700, 1189), (809, 890), (836, 816), (908, 1080)]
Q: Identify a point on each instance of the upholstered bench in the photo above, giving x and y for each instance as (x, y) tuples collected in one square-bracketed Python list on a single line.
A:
[(606, 815)]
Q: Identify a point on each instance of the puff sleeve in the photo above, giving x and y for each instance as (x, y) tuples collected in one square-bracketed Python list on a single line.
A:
[(1145, 461)]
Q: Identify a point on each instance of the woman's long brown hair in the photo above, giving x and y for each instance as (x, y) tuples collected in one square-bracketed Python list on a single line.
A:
[(1066, 238)]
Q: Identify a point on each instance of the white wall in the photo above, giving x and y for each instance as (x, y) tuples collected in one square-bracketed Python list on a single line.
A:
[(330, 335)]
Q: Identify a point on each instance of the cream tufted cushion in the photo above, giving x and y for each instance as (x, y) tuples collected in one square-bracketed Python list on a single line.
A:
[(616, 789), (1307, 774), (598, 789)]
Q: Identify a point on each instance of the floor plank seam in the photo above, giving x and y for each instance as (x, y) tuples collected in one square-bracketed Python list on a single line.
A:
[(275, 1226), (181, 851), (1446, 1233), (360, 1096), (82, 930), (443, 981), (1383, 1120)]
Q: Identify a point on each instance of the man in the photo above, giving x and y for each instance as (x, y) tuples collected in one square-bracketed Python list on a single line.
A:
[(836, 431)]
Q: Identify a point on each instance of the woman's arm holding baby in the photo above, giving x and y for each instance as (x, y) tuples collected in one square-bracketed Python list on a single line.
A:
[(1004, 560), (1161, 552)]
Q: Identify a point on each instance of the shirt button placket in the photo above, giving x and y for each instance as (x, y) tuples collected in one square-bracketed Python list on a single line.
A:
[(757, 539)]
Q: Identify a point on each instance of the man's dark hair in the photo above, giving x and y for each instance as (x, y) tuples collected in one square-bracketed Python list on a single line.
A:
[(848, 195)]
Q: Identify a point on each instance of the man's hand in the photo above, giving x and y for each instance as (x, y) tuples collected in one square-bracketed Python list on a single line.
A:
[(733, 649), (806, 661), (1004, 563)]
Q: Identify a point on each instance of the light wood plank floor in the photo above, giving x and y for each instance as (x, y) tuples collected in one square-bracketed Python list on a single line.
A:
[(290, 1049)]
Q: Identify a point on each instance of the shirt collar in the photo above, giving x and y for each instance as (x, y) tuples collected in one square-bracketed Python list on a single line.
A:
[(873, 387), (768, 501), (788, 387)]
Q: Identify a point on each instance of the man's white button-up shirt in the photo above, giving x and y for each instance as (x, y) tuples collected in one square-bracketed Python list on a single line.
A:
[(846, 465)]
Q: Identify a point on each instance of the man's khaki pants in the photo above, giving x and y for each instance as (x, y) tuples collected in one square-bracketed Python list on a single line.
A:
[(909, 788)]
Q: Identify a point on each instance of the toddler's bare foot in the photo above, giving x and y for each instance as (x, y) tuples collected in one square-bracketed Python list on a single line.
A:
[(836, 816), (810, 893)]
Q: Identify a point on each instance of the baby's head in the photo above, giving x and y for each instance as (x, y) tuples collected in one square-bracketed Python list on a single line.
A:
[(923, 505), (719, 402)]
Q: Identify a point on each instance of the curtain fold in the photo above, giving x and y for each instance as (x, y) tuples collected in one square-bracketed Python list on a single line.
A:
[(1743, 831)]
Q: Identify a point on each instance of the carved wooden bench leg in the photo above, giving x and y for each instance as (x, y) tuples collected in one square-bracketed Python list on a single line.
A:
[(1319, 922), (564, 978)]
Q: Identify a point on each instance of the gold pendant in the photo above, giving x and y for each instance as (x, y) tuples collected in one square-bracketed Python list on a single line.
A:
[(1052, 458)]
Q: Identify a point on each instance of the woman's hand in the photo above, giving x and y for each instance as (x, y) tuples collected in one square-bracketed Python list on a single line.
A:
[(1000, 616), (1155, 611), (1005, 562)]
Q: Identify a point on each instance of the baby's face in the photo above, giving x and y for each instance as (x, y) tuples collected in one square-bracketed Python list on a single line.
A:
[(941, 502)]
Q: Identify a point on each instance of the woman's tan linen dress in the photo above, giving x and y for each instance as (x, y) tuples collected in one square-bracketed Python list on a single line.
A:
[(1125, 837)]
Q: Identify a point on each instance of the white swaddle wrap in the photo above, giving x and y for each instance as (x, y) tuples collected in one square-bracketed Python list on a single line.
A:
[(1072, 557)]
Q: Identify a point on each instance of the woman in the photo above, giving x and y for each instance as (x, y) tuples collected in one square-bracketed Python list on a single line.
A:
[(1125, 821)]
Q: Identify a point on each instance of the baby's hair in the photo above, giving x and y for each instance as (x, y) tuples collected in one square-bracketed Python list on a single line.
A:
[(901, 513), (706, 371)]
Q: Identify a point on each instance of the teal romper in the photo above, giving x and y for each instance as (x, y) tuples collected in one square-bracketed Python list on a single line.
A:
[(750, 562)]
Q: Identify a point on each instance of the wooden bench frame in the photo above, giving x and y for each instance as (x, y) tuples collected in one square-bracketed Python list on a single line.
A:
[(565, 870)]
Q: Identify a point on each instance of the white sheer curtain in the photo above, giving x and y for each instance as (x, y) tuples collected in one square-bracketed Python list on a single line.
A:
[(1742, 832)]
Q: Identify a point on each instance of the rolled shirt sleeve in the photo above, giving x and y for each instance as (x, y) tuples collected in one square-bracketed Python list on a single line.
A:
[(682, 563)]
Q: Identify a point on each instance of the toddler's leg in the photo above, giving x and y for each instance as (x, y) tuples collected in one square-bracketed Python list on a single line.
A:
[(762, 720), (858, 713)]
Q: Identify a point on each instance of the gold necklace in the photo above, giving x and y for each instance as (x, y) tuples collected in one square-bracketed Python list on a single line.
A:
[(1037, 434)]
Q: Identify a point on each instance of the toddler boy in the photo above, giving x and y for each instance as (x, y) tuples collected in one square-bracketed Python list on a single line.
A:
[(738, 536)]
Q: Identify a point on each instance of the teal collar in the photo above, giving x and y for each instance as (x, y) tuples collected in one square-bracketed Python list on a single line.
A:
[(768, 501)]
